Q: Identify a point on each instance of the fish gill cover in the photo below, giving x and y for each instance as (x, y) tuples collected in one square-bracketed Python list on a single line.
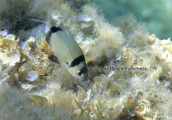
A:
[(129, 69)]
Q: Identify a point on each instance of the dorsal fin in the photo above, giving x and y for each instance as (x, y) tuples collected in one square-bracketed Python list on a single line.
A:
[(55, 29), (65, 29)]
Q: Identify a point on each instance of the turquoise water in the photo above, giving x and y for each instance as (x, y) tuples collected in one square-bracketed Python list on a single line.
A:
[(157, 14)]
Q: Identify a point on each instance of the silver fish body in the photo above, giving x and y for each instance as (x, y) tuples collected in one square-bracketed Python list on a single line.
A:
[(68, 52)]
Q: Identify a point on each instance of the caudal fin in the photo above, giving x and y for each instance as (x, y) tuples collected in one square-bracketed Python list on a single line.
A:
[(47, 21)]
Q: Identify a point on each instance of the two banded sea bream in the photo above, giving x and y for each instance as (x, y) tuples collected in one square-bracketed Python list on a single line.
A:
[(67, 51)]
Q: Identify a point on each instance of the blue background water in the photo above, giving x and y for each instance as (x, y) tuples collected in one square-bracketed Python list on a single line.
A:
[(157, 14)]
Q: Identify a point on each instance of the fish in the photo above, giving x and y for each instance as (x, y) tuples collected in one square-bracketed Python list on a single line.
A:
[(67, 51)]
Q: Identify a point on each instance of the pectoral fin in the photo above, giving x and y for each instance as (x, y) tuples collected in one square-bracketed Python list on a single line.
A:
[(53, 58), (66, 64)]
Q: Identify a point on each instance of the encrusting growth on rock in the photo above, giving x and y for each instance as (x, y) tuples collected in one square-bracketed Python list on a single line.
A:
[(33, 87)]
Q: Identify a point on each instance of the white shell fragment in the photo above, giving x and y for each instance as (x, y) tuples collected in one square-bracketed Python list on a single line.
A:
[(4, 32), (111, 73), (28, 42), (146, 103), (141, 109), (10, 58), (113, 53), (10, 37), (31, 40), (81, 92), (86, 23), (32, 75), (3, 58), (86, 49), (131, 113), (27, 86), (84, 18), (169, 58), (88, 94), (26, 67), (86, 26), (98, 80), (14, 59)]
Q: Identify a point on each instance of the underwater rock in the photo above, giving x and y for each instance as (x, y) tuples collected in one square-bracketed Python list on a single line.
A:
[(152, 39), (10, 37), (104, 46)]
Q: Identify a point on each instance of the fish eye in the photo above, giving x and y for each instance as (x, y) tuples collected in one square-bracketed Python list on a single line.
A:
[(79, 72)]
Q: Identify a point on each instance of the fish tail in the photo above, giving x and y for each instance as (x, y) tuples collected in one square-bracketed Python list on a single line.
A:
[(47, 21)]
